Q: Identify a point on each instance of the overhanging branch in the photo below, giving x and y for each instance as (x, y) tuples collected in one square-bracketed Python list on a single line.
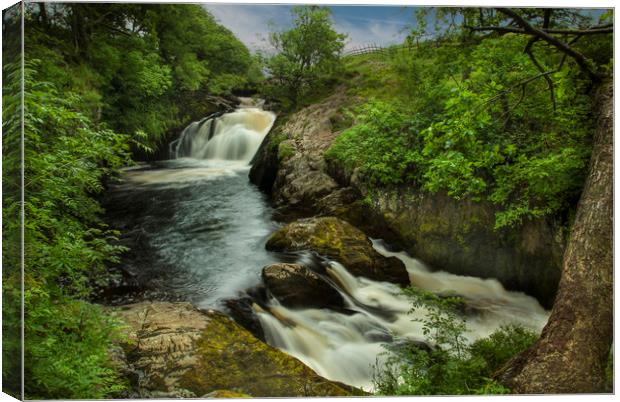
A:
[(581, 60)]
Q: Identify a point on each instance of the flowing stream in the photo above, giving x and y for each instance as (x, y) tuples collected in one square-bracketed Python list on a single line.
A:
[(197, 229)]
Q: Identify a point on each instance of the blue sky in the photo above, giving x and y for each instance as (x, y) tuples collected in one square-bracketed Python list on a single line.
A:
[(382, 25)]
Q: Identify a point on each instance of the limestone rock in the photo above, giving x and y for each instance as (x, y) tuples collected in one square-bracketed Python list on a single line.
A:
[(180, 350), (342, 242), (295, 285)]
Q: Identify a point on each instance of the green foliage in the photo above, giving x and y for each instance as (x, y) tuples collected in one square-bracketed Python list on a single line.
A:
[(469, 126), (285, 150), (502, 345), (442, 324), (450, 366), (66, 245), (307, 55), (382, 144), (116, 78), (141, 68)]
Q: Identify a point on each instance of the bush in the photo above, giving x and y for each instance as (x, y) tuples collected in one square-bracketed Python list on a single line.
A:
[(383, 144), (450, 366), (469, 130), (66, 155)]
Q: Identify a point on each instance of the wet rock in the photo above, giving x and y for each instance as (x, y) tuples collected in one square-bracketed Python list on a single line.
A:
[(185, 352), (340, 241), (294, 285), (242, 311), (376, 335), (458, 236), (265, 163)]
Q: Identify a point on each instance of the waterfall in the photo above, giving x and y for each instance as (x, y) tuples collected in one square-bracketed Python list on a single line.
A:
[(347, 346), (233, 136)]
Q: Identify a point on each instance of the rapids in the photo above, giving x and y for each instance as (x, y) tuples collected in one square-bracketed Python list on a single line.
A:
[(197, 230), (347, 347)]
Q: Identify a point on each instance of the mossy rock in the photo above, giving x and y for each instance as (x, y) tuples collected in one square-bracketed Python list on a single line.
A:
[(342, 242), (179, 347), (224, 393)]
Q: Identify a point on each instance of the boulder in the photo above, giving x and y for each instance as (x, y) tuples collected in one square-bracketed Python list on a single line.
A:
[(342, 242), (294, 285), (180, 350)]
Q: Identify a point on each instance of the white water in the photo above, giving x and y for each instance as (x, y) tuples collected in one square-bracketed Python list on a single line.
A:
[(337, 345), (236, 136), (198, 227), (346, 347)]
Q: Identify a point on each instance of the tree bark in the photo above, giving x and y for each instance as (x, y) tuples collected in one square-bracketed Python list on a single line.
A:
[(571, 354)]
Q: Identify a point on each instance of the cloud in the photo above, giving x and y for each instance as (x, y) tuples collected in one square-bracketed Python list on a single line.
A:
[(381, 33), (251, 23)]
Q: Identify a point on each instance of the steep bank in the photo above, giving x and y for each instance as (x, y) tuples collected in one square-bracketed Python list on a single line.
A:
[(455, 236)]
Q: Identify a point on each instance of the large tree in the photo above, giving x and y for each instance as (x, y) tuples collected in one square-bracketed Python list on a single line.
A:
[(571, 354)]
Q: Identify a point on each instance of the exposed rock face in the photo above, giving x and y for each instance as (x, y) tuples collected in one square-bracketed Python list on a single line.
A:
[(295, 285), (301, 181), (290, 161), (457, 236), (179, 351), (340, 241)]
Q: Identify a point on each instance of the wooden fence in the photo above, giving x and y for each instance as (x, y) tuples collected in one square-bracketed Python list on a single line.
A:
[(374, 49)]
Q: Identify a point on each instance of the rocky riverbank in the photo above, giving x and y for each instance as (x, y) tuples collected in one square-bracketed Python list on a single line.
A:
[(457, 236), (174, 350)]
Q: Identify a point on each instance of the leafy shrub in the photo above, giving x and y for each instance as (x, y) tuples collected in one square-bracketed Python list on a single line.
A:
[(66, 155), (382, 144), (471, 130), (449, 366)]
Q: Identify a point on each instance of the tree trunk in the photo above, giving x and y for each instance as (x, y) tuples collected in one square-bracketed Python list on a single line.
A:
[(571, 354)]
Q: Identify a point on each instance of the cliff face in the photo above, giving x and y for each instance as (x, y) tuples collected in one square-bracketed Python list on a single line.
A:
[(452, 235)]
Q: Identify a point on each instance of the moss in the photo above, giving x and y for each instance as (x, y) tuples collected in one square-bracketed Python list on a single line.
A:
[(340, 241), (285, 150), (225, 393), (341, 120), (235, 360)]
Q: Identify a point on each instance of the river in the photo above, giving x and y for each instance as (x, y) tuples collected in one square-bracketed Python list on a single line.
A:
[(197, 230)]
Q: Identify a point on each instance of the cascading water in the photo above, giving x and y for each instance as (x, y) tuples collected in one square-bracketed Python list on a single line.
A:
[(197, 230), (231, 136), (196, 227), (346, 347)]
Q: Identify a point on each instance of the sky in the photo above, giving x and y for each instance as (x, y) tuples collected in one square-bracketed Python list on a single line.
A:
[(380, 25), (364, 25)]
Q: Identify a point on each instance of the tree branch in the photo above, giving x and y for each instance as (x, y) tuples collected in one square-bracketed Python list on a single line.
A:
[(518, 84), (591, 31), (581, 60), (528, 51), (497, 29)]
